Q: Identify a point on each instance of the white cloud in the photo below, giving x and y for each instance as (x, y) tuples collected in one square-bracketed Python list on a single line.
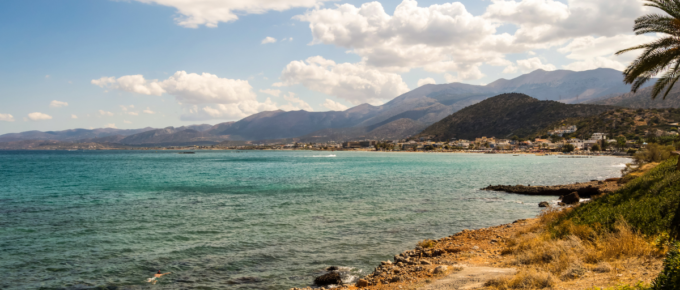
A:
[(550, 21), (426, 81), (6, 118), (594, 52), (295, 104), (194, 13), (37, 116), (334, 106), (133, 113), (58, 104), (111, 126), (446, 38), (126, 108), (355, 83), (273, 93), (148, 111), (127, 122), (74, 116), (234, 111), (131, 83), (235, 97), (268, 39), (532, 64), (105, 113)]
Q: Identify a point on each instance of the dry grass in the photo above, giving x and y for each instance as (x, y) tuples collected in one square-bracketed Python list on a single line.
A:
[(527, 279), (567, 250)]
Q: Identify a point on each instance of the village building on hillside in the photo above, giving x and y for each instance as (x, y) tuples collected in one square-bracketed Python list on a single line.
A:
[(563, 130)]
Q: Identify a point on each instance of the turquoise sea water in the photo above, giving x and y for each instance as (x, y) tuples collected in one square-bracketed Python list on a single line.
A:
[(77, 220)]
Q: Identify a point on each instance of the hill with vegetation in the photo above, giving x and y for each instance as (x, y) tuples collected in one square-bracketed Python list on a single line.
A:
[(630, 123), (507, 115)]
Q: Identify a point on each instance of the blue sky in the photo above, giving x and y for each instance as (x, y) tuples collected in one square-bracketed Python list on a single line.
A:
[(158, 63)]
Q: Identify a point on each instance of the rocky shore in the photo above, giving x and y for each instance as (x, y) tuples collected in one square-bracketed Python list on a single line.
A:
[(584, 189)]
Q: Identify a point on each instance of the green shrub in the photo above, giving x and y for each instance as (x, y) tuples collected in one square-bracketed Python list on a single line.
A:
[(653, 153), (670, 276), (647, 203)]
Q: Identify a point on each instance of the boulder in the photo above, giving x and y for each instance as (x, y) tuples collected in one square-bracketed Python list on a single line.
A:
[(362, 283), (571, 198), (328, 279), (333, 268), (543, 204), (440, 269), (426, 262)]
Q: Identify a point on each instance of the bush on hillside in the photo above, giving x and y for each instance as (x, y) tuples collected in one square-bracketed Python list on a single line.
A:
[(670, 276), (653, 153), (647, 203)]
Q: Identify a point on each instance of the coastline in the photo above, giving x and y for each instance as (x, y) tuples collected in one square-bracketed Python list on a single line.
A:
[(472, 259)]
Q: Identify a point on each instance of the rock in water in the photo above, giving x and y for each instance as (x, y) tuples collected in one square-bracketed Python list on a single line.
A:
[(333, 268), (571, 198), (543, 204), (328, 279)]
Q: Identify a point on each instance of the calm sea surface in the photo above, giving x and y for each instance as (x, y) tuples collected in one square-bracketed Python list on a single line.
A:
[(77, 220)]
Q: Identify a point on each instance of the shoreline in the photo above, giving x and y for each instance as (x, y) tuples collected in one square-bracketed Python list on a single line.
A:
[(469, 259)]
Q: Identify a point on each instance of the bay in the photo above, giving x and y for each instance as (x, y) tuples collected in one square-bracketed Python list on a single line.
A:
[(247, 219)]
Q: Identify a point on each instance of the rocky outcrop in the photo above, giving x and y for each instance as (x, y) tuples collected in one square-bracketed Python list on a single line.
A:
[(543, 204), (331, 278), (584, 189), (572, 198)]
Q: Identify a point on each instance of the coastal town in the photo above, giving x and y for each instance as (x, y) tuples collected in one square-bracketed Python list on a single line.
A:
[(557, 140)]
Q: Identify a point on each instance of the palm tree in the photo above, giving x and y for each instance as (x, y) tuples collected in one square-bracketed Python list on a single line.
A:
[(661, 56)]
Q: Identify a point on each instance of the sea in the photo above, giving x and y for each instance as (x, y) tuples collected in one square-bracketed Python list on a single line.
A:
[(248, 219)]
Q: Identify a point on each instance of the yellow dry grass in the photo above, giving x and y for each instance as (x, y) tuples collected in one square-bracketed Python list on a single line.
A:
[(570, 250)]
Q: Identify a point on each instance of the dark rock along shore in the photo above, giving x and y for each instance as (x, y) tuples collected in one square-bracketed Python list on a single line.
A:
[(584, 189)]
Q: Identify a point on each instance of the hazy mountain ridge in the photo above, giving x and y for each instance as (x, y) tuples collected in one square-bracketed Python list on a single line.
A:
[(642, 99), (424, 106)]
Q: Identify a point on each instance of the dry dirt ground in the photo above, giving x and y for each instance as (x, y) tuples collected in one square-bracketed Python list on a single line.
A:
[(472, 257)]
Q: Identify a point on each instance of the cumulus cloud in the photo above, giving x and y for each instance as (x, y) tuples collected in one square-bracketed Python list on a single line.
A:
[(148, 111), (426, 81), (591, 52), (438, 38), (273, 93), (6, 118), (127, 122), (222, 111), (74, 116), (37, 116), (268, 39), (58, 104), (105, 113), (132, 83), (532, 64), (355, 83), (446, 38), (111, 126), (550, 21), (333, 105), (235, 98), (194, 13), (126, 108), (295, 104)]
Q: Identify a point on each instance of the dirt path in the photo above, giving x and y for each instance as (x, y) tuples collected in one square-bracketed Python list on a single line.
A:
[(469, 278)]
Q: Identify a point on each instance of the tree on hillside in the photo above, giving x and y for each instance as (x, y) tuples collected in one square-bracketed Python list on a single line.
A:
[(660, 56)]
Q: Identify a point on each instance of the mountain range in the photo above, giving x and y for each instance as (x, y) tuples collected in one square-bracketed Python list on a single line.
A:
[(401, 117)]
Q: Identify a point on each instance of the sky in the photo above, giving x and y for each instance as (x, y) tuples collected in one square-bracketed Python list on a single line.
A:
[(68, 64)]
